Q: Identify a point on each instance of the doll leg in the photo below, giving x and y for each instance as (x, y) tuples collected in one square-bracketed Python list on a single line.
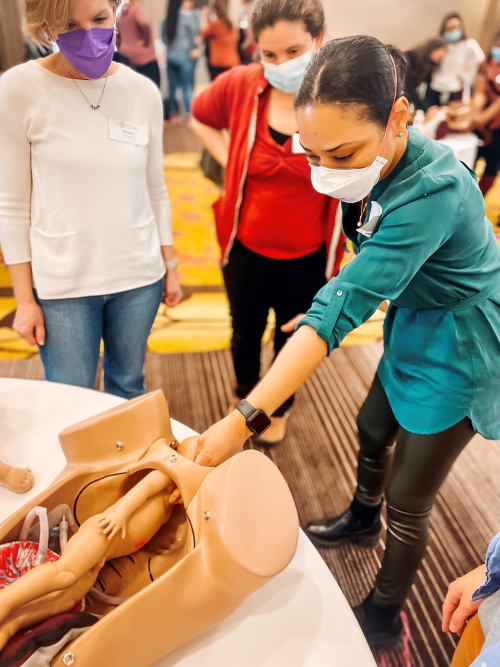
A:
[(18, 480), (38, 611), (84, 551)]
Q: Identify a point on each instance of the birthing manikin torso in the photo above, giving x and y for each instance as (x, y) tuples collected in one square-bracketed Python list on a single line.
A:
[(190, 568)]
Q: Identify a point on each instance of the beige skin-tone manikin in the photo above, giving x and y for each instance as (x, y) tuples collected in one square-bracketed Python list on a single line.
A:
[(18, 480), (190, 568)]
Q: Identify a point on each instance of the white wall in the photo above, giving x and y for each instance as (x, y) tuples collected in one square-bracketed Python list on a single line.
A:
[(406, 23)]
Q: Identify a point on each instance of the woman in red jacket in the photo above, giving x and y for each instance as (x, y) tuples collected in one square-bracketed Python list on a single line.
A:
[(279, 238)]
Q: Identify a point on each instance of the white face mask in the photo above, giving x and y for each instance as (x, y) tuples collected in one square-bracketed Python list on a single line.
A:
[(347, 185), (353, 185), (288, 76)]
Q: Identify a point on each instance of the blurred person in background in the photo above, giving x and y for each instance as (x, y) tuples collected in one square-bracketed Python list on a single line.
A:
[(247, 46), (455, 76), (222, 38), (180, 32), (272, 256), (134, 41), (422, 62), (486, 105), (85, 221)]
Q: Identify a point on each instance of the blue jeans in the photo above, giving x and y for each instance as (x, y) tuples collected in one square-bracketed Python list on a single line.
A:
[(74, 329), (180, 72)]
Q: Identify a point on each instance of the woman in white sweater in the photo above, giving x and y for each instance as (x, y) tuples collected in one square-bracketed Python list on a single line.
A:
[(84, 213), (455, 75)]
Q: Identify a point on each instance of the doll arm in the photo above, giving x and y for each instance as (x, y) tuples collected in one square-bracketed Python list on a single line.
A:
[(116, 517)]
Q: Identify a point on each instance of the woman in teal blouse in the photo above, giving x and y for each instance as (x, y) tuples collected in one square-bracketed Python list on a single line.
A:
[(416, 218)]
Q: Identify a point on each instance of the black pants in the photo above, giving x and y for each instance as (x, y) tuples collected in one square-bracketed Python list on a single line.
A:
[(491, 154), (434, 97), (255, 284), (151, 70), (215, 71), (410, 474)]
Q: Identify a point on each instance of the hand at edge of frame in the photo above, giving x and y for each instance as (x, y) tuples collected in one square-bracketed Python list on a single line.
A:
[(458, 606)]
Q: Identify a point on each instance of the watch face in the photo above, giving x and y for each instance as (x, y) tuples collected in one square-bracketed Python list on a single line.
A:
[(260, 421)]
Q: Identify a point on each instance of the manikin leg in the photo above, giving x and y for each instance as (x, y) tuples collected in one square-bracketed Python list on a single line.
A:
[(84, 552), (53, 604)]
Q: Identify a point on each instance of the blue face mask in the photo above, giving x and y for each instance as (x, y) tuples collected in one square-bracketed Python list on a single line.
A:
[(495, 53), (453, 35), (288, 76)]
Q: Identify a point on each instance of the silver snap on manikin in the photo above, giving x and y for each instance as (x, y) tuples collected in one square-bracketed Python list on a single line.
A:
[(69, 659), (119, 447), (174, 457), (339, 293)]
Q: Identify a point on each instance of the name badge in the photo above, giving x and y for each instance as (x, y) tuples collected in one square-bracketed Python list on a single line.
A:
[(296, 147), (369, 227), (119, 130)]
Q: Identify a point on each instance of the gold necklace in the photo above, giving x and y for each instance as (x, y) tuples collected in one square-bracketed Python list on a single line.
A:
[(363, 209), (92, 106)]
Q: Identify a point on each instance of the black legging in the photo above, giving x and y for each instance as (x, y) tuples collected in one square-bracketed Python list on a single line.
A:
[(255, 284), (409, 473)]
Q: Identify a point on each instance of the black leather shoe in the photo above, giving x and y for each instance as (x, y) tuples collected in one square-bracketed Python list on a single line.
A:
[(332, 533), (382, 626)]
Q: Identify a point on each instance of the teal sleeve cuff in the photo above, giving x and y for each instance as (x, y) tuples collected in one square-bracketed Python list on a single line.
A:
[(315, 324), (323, 317)]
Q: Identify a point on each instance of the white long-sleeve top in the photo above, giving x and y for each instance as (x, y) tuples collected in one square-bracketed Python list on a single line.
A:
[(88, 210), (458, 67)]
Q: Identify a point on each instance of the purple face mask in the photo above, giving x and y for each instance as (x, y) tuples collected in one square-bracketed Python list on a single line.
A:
[(89, 51)]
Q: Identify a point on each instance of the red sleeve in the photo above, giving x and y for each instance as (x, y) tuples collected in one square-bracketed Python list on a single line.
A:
[(211, 107)]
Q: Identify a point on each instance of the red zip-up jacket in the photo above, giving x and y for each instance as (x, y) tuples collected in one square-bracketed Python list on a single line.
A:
[(231, 102)]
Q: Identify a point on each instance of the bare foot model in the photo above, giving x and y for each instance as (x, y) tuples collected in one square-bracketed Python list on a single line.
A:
[(18, 480)]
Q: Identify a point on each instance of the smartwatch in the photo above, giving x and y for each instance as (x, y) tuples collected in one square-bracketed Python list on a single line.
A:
[(257, 421)]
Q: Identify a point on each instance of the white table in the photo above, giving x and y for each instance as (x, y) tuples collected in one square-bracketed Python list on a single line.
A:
[(299, 619)]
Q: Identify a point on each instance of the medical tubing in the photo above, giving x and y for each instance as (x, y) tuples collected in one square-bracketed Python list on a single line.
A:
[(63, 534), (41, 513), (109, 599)]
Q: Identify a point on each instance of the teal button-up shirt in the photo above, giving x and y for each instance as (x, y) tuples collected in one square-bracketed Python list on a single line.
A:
[(434, 255)]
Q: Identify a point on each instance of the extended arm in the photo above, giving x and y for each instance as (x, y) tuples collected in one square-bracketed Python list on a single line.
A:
[(382, 270)]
